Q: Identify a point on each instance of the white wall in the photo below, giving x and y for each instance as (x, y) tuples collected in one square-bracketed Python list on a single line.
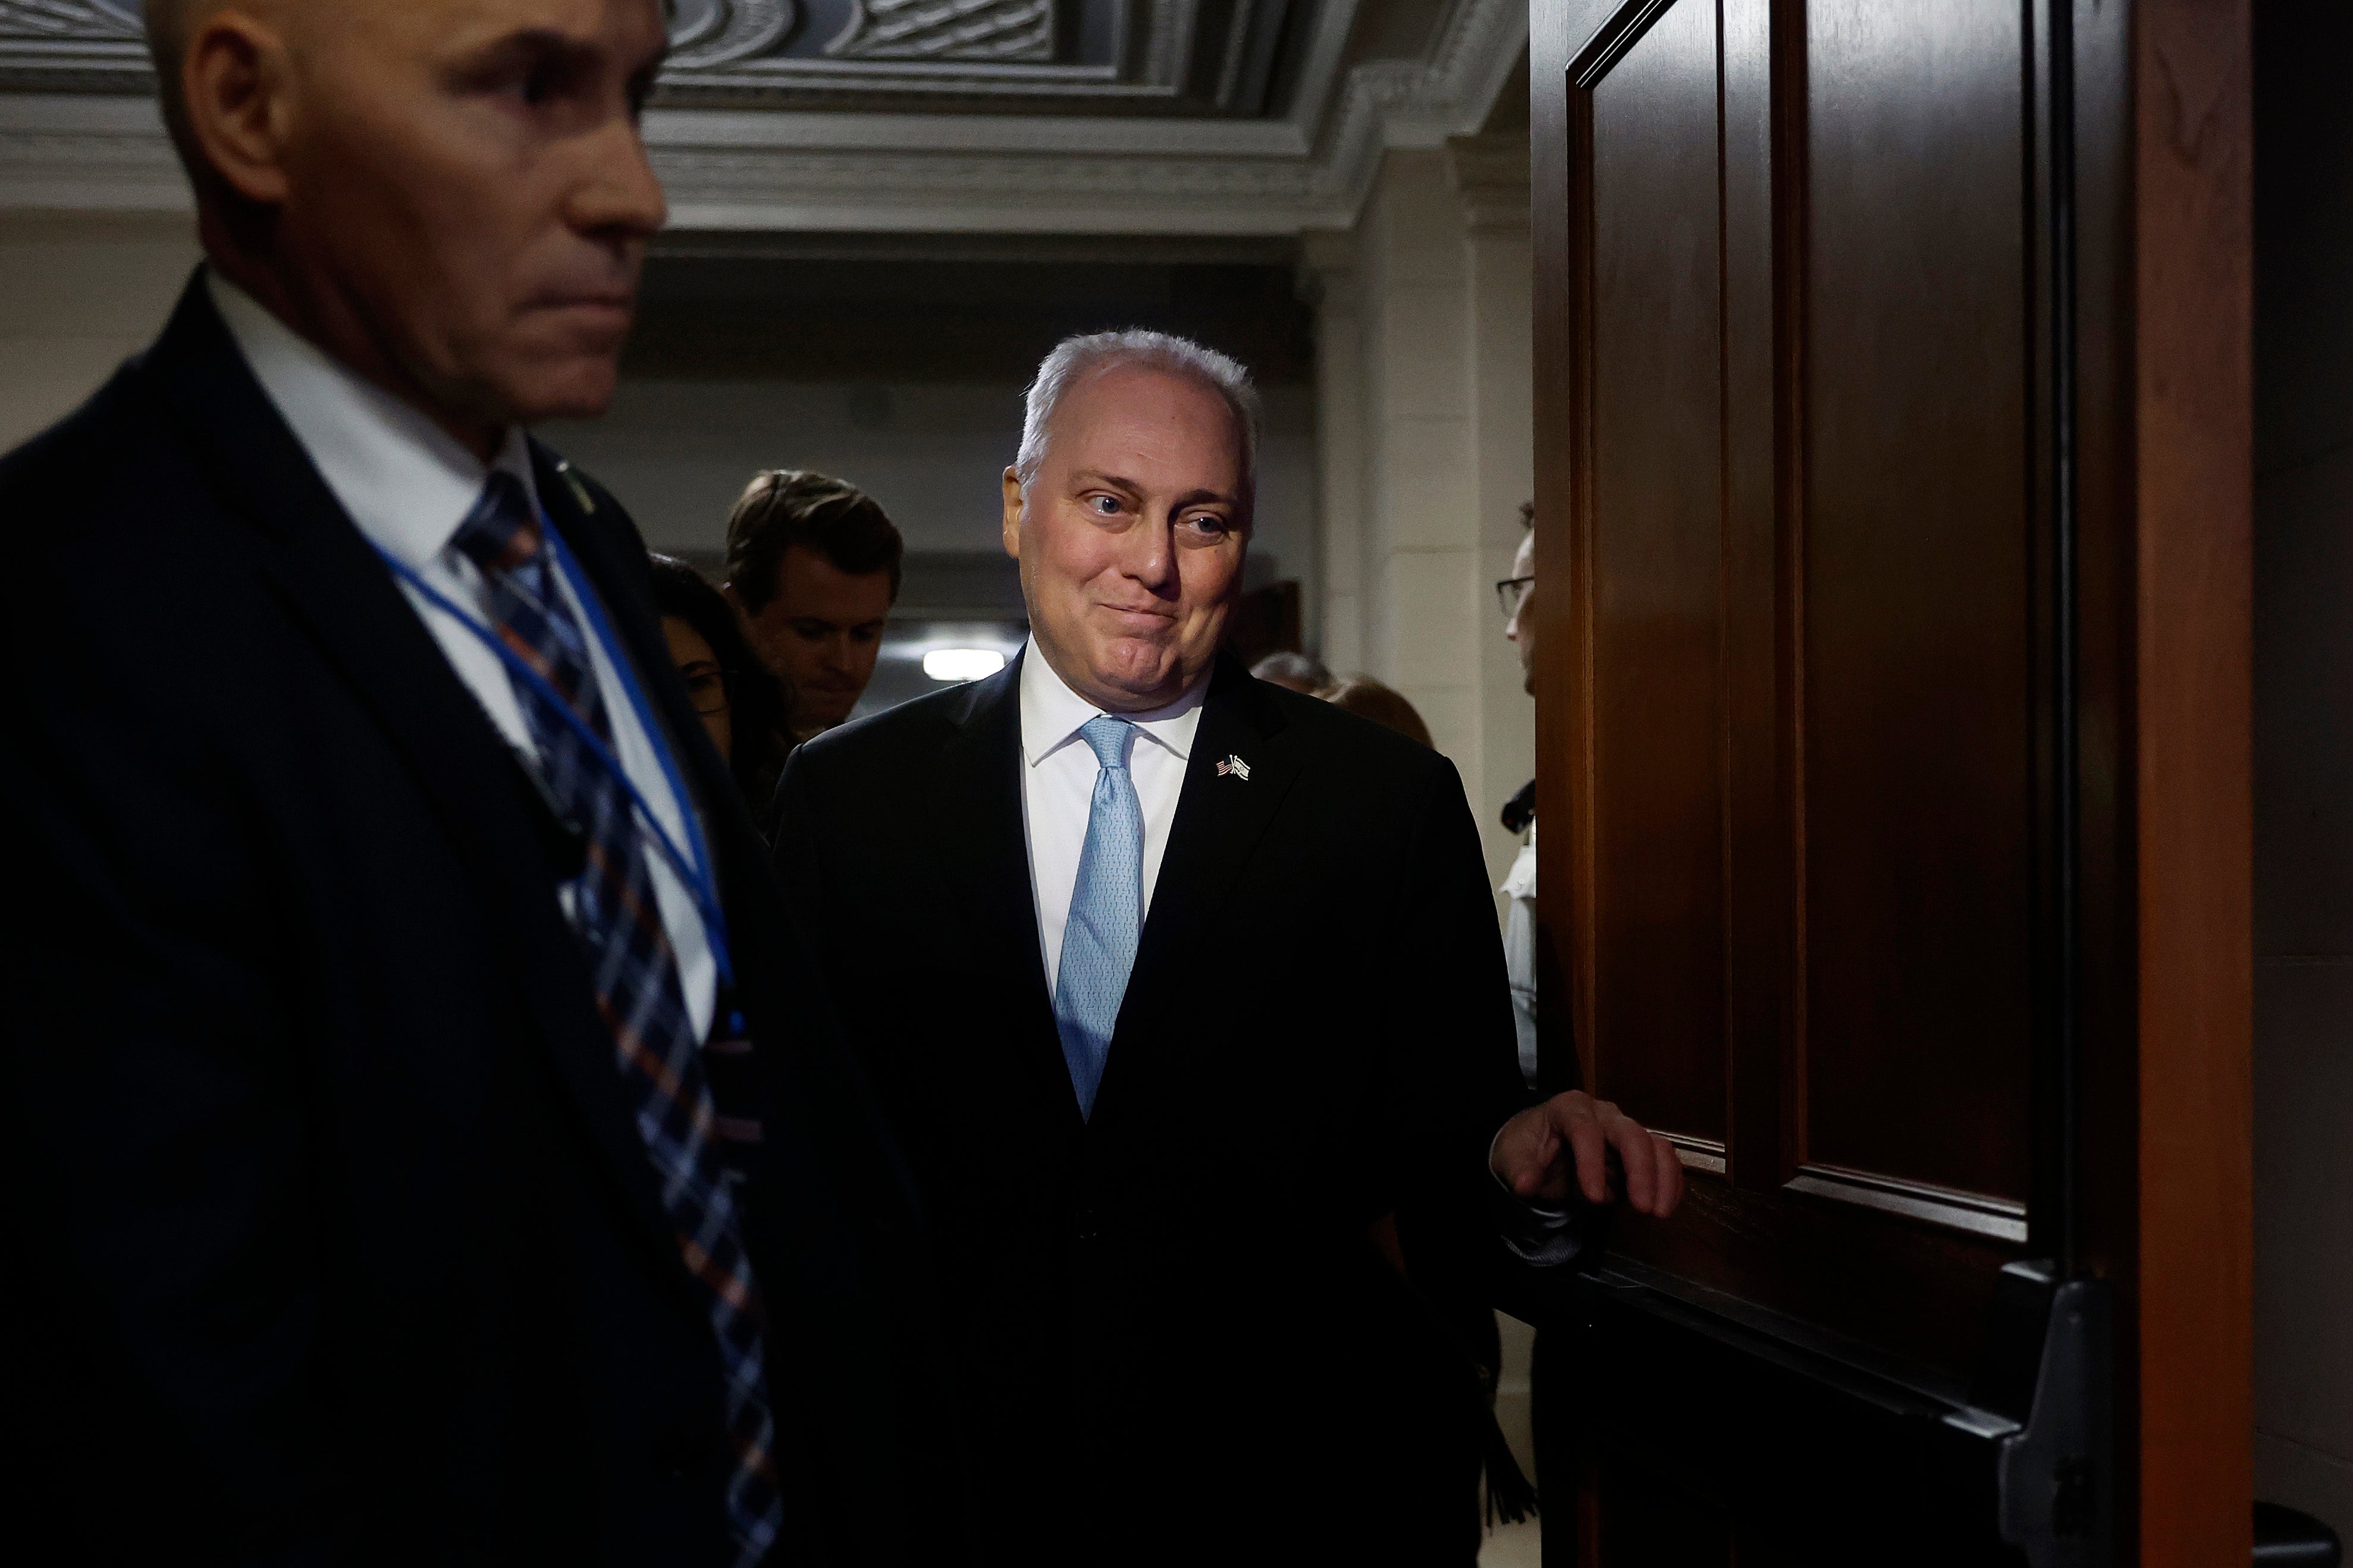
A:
[(1426, 451), (78, 295)]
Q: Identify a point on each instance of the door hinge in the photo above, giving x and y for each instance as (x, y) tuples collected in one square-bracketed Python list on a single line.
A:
[(2056, 1476)]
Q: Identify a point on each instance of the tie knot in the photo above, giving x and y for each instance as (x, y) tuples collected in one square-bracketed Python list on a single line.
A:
[(500, 534), (1107, 737)]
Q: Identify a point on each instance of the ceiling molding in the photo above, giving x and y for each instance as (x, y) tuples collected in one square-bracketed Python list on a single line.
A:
[(1151, 56), (1111, 56), (1490, 176), (739, 170)]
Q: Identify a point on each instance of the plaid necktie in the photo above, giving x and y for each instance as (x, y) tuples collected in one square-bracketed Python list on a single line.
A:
[(618, 923), (1106, 912)]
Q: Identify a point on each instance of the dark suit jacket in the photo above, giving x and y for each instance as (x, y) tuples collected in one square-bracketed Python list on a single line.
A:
[(1172, 1332), (327, 1223)]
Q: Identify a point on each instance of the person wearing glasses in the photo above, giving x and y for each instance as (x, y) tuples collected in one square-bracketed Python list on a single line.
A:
[(745, 706), (1549, 1390), (1517, 592)]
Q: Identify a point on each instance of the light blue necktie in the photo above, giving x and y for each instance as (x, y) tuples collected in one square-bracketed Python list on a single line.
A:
[(1106, 912)]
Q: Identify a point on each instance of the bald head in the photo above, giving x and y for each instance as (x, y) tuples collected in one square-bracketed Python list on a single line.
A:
[(451, 196), (167, 27), (168, 22)]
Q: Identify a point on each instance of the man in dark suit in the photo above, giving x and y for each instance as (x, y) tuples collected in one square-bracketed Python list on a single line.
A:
[(427, 1141), (1157, 1147)]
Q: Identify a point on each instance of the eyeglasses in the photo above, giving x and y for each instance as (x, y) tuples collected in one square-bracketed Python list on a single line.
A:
[(1512, 592), (706, 687)]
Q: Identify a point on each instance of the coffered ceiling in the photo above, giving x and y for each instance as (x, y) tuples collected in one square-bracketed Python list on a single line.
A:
[(959, 116), (1202, 57)]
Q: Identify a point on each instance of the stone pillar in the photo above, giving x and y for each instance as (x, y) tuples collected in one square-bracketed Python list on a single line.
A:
[(1427, 452), (1420, 539), (1328, 280), (1491, 181)]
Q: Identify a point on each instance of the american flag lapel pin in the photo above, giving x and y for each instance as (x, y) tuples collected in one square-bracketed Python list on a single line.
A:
[(1234, 765)]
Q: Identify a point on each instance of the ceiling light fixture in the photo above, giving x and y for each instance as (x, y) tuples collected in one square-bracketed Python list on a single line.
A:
[(962, 663)]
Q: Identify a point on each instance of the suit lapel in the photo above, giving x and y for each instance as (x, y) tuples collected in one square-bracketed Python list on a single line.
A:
[(341, 593), (604, 555), (985, 843), (1220, 818), (608, 552)]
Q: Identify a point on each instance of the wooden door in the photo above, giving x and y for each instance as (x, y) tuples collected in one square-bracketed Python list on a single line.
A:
[(1894, 473)]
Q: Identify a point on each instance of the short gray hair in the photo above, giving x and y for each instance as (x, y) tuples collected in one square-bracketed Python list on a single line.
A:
[(1081, 358)]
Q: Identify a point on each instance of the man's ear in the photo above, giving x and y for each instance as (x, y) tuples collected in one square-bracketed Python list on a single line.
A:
[(1013, 514), (235, 77)]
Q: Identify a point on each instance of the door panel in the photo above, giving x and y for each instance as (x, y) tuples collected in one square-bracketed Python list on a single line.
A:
[(1806, 506), (1858, 689), (1918, 512), (1657, 731)]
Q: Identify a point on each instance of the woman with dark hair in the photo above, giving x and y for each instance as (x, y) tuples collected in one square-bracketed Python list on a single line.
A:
[(1383, 705), (741, 701)]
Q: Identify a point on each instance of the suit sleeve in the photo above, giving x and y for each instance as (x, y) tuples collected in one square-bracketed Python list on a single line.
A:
[(1455, 1073), (793, 852), (164, 1254)]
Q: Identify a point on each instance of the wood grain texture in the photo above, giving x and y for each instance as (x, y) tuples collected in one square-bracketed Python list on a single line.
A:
[(1759, 939), (1919, 870), (1876, 885), (1555, 29), (2193, 460), (1919, 1292), (1652, 538), (1796, 461)]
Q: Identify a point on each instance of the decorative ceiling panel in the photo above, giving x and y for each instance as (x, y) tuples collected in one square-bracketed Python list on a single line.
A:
[(73, 44), (745, 142), (1186, 57), (70, 20), (987, 30), (1060, 56), (706, 33)]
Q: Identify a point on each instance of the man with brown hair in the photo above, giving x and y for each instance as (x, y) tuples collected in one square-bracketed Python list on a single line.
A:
[(814, 565)]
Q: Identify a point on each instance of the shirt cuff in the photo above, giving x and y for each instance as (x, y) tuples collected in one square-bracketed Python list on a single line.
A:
[(1539, 1234)]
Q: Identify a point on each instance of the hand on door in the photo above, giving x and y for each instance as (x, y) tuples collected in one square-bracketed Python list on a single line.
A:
[(1571, 1137)]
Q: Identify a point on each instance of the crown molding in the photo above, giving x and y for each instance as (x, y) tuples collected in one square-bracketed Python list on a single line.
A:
[(738, 170), (1490, 176)]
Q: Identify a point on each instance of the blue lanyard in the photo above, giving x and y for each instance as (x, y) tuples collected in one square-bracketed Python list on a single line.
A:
[(695, 872)]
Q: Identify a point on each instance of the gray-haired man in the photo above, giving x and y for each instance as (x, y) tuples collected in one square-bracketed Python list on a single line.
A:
[(1151, 1157)]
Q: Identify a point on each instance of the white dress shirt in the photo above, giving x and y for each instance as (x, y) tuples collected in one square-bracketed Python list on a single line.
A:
[(1549, 1237), (1520, 951), (406, 484), (1058, 787), (1058, 783)]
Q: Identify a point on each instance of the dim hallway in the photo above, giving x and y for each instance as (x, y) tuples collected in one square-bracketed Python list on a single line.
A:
[(1907, 446)]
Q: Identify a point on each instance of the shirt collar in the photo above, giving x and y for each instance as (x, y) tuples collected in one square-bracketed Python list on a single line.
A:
[(1052, 714), (404, 482)]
